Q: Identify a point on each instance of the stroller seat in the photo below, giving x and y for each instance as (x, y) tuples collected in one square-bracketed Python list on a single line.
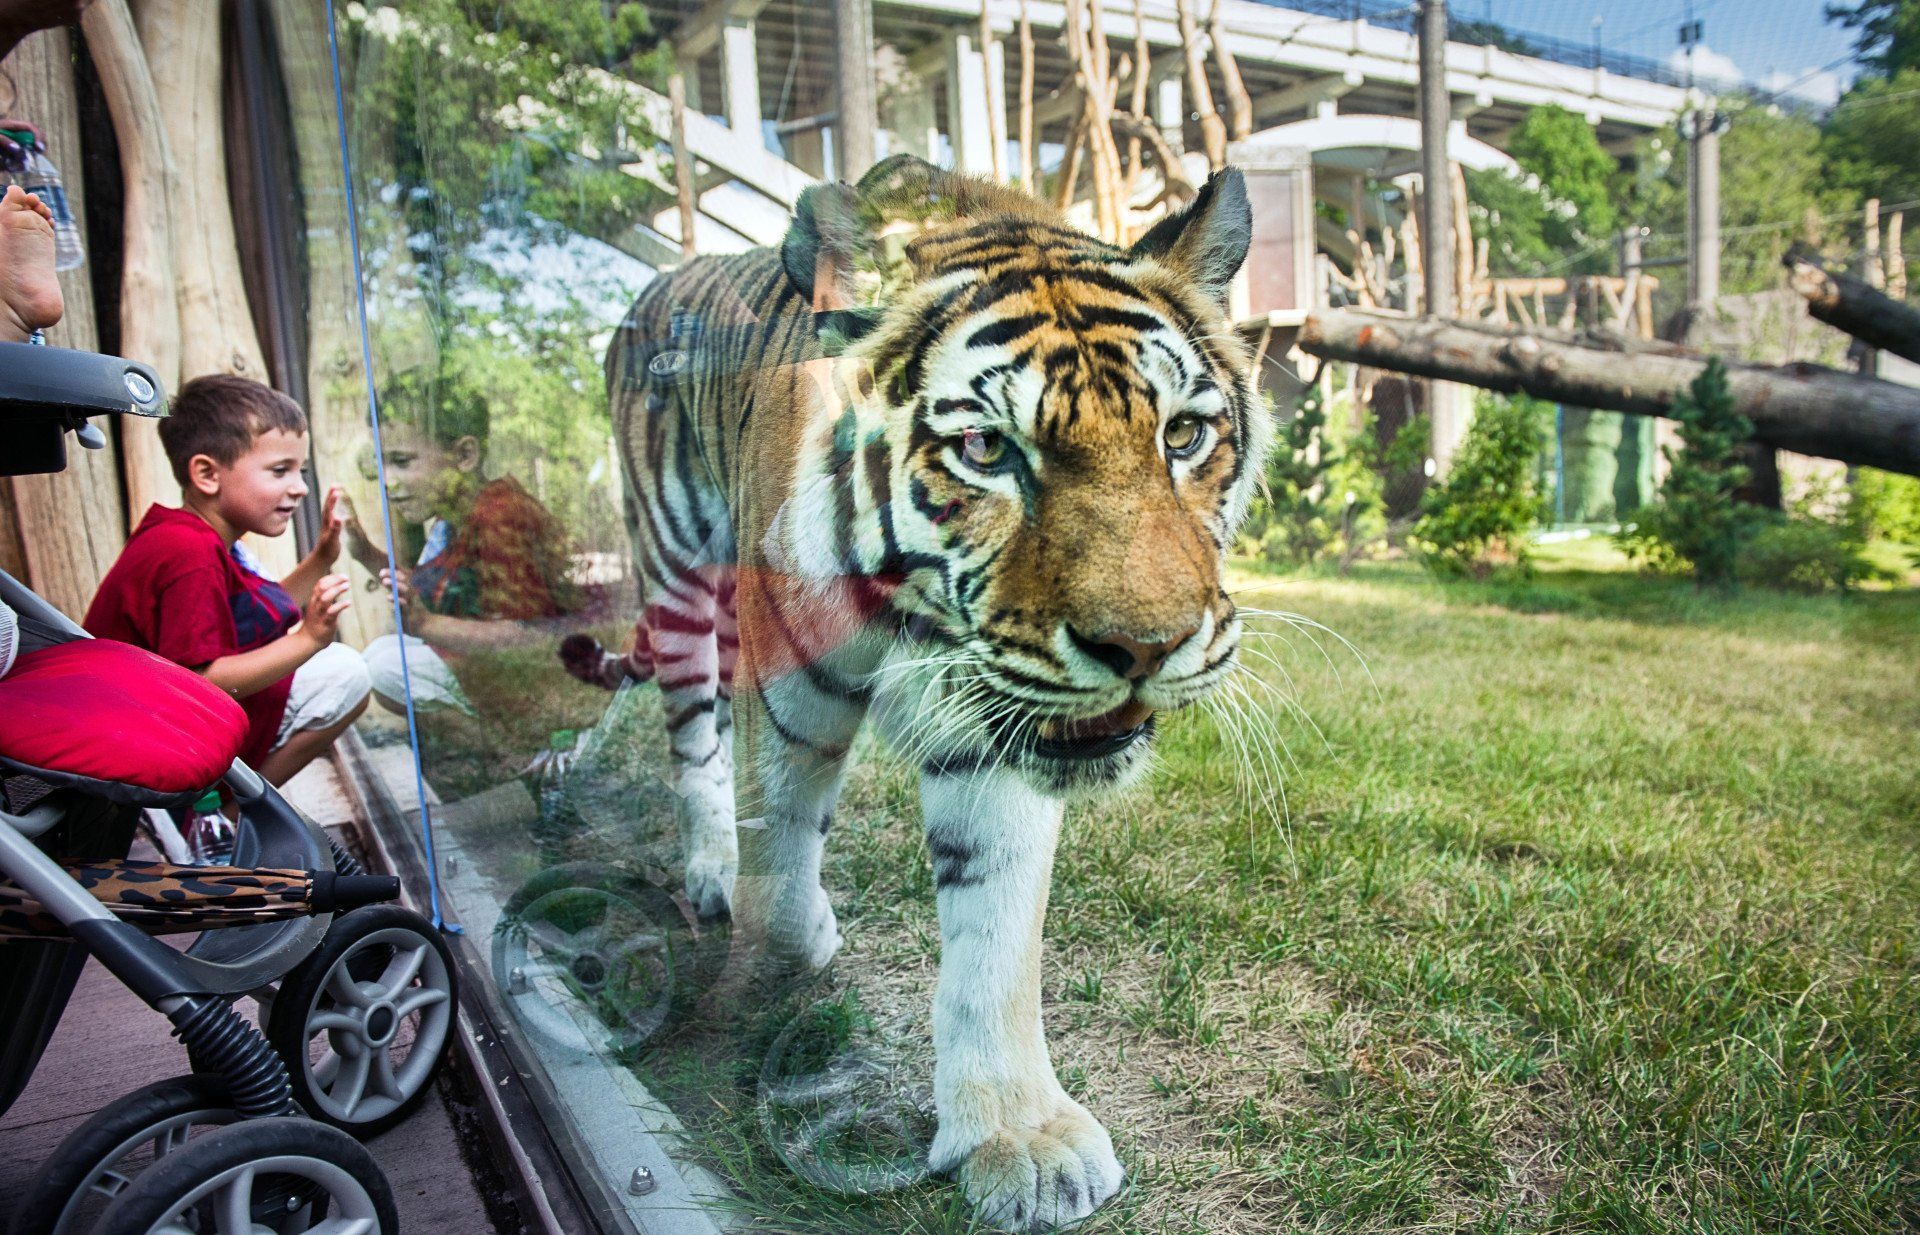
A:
[(116, 722)]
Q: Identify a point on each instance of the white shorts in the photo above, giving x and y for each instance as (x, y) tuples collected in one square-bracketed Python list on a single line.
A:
[(326, 690), (435, 688)]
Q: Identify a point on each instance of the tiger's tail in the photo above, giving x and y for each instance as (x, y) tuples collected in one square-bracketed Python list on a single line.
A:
[(588, 660)]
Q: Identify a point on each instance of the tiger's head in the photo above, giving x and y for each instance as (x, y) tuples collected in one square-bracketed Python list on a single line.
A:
[(1073, 440)]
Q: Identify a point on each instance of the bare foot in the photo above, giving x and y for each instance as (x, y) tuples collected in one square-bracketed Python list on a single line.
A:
[(29, 290)]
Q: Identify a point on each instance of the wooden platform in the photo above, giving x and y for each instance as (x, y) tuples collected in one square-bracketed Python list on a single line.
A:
[(109, 1043)]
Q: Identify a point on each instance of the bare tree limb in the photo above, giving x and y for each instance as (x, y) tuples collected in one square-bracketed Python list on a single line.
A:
[(1213, 131), (1798, 407), (1239, 102)]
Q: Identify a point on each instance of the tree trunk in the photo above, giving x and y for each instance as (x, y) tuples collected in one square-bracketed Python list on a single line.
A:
[(149, 297), (182, 41), (1798, 407), (69, 527), (1849, 303)]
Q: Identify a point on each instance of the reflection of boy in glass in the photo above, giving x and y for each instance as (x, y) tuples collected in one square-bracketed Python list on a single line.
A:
[(492, 570)]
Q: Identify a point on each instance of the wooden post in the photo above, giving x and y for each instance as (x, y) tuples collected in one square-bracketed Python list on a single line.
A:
[(149, 297), (682, 163), (1896, 258), (69, 527), (853, 136), (1141, 87), (1871, 269)]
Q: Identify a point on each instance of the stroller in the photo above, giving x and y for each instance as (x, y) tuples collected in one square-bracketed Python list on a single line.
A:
[(357, 996)]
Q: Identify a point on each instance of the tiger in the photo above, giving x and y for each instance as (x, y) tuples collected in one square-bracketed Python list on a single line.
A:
[(942, 465)]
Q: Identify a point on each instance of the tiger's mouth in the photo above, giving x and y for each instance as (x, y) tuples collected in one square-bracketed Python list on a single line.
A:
[(1093, 737)]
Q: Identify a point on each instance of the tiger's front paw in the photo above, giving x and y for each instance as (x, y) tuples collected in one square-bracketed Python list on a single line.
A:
[(710, 879), (1042, 1177), (805, 934)]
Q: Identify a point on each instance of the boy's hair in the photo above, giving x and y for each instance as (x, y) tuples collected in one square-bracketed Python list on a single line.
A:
[(219, 416)]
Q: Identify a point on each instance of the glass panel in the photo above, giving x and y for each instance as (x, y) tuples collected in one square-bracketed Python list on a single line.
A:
[(694, 591)]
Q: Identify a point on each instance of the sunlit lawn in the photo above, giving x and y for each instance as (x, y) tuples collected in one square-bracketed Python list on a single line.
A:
[(1592, 907)]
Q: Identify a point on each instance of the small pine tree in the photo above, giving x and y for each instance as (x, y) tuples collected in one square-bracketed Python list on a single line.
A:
[(1478, 517), (1302, 519), (1696, 524)]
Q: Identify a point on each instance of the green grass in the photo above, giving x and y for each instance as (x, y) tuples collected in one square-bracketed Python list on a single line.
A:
[(1592, 906)]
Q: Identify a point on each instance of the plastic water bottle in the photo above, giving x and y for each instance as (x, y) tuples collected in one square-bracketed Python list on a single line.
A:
[(557, 819), (41, 178), (209, 833)]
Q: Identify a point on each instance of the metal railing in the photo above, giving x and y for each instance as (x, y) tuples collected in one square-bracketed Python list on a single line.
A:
[(1402, 14)]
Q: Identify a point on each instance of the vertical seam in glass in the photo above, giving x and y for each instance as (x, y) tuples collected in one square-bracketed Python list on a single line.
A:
[(380, 470)]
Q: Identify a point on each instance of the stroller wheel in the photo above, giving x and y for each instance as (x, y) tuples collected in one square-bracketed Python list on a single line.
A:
[(592, 960), (364, 1022), (281, 1175), (103, 1156)]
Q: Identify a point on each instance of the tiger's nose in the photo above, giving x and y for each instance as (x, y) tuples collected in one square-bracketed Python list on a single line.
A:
[(1127, 656)]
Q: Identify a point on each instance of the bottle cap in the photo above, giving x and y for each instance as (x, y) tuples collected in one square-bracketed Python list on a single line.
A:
[(208, 803)]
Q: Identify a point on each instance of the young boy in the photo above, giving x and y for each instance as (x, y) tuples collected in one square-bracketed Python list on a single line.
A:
[(184, 588)]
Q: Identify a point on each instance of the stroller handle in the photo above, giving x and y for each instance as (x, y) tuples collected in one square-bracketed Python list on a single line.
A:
[(47, 392)]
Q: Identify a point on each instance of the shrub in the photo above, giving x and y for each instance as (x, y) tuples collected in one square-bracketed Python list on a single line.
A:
[(1478, 517), (1818, 546), (1695, 525), (1890, 504)]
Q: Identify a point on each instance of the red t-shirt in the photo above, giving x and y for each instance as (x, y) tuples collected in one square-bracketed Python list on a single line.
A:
[(178, 591)]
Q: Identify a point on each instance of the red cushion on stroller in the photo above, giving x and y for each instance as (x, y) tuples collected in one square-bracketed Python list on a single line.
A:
[(104, 716)]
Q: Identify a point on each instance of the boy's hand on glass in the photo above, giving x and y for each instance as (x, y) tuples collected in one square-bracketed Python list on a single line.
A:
[(401, 585), (326, 549), (320, 620)]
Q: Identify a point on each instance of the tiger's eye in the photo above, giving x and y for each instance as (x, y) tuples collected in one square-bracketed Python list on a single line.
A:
[(1182, 434), (983, 449)]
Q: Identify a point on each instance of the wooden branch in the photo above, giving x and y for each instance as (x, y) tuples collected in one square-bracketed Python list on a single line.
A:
[(149, 297), (1896, 258), (1850, 304), (1798, 407), (1142, 91), (1239, 102), (1178, 188), (1213, 131), (1027, 180), (996, 90)]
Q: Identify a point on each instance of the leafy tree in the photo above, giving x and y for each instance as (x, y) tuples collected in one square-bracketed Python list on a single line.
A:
[(1479, 516), (1871, 145), (1696, 524), (1561, 206), (1771, 179), (1889, 32), (476, 118)]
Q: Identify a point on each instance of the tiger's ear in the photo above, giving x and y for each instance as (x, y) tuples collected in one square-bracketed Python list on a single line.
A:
[(1207, 242), (847, 241)]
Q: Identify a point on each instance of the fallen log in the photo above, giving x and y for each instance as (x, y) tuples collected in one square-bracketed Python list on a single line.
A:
[(1857, 307), (1799, 407)]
